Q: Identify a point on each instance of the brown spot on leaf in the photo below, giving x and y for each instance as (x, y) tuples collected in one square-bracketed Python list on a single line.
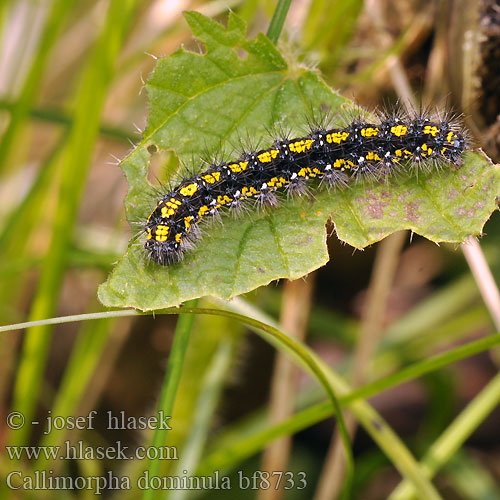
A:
[(374, 207), (304, 241), (472, 212), (411, 211)]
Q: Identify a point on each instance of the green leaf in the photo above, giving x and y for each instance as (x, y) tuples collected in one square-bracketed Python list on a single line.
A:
[(240, 88)]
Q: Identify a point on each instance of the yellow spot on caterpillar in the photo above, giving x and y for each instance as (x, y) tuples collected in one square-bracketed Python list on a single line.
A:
[(203, 210), (369, 132), (339, 163), (238, 167), (277, 182), (408, 154), (189, 190), (212, 178), (149, 234), (161, 233), (431, 130), (300, 146), (451, 136), (167, 212), (426, 150), (399, 130), (222, 200), (267, 156), (371, 155), (274, 182), (248, 191), (187, 221), (264, 157), (337, 137), (178, 237), (443, 151)]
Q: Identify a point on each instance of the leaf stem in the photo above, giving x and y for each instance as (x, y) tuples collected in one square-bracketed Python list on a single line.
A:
[(278, 20)]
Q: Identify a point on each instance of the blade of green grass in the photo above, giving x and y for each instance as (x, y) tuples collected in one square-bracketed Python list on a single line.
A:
[(441, 305), (329, 26), (252, 432), (278, 20), (210, 391), (169, 390), (59, 117), (471, 479), (455, 435), (77, 156), (226, 453), (19, 224), (87, 353), (306, 358), (55, 20), (367, 416)]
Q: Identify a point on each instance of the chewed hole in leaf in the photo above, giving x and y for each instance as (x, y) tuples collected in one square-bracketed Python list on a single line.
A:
[(162, 165), (152, 149)]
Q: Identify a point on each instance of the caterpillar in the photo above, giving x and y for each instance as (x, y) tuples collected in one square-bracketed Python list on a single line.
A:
[(335, 156)]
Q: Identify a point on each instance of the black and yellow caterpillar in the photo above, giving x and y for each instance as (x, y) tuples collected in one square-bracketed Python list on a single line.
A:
[(333, 155)]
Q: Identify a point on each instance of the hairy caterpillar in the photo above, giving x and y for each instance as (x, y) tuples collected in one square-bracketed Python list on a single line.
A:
[(333, 155)]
